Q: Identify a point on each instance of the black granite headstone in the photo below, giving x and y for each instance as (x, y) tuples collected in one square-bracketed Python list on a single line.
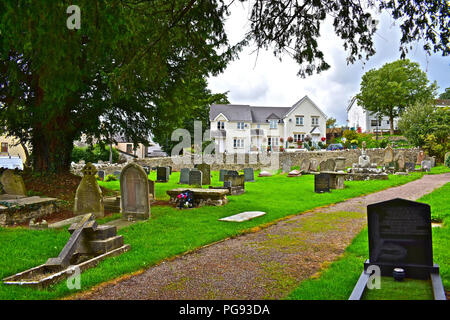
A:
[(400, 237), (249, 175), (322, 182), (162, 174)]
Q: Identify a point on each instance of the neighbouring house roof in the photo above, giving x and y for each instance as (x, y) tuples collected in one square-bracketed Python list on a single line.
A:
[(442, 102), (254, 114), (352, 102)]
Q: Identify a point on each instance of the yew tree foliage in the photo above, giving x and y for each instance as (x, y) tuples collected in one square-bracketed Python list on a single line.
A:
[(132, 63)]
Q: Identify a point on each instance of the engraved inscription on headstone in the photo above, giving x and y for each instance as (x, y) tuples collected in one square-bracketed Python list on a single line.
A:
[(322, 182), (162, 174), (134, 189), (400, 236), (249, 175), (206, 173), (195, 177), (184, 176)]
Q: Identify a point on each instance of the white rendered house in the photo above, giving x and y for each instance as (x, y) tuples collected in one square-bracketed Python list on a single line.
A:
[(245, 128), (357, 117)]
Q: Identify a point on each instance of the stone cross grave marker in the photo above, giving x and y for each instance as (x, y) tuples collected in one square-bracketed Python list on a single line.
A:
[(322, 182), (195, 178), (88, 197), (184, 176), (134, 193)]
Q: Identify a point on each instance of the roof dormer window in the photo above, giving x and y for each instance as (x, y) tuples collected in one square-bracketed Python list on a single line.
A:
[(220, 125), (273, 124)]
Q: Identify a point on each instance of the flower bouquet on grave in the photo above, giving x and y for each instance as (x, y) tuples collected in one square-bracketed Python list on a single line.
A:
[(185, 199)]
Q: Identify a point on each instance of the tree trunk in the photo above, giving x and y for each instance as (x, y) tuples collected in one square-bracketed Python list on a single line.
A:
[(391, 123)]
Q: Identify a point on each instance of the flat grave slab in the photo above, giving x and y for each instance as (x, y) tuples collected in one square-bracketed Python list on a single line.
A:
[(243, 216)]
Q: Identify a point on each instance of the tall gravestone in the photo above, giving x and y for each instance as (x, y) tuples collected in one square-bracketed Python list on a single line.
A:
[(401, 162), (134, 191), (420, 157), (88, 197), (162, 174), (184, 176), (206, 173), (249, 175), (151, 188), (388, 155), (195, 178), (13, 183), (286, 166), (340, 164)]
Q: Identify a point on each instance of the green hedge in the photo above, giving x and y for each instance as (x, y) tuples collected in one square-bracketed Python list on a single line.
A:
[(93, 154)]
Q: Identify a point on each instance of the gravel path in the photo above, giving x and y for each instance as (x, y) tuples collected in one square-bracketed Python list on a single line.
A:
[(267, 264)]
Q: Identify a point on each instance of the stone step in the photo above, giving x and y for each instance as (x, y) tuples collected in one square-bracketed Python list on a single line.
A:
[(103, 246), (104, 232)]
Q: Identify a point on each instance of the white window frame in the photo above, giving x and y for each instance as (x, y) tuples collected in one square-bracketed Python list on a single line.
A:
[(241, 125), (377, 122), (299, 135), (220, 125), (238, 143), (314, 123), (274, 141), (299, 120), (273, 124)]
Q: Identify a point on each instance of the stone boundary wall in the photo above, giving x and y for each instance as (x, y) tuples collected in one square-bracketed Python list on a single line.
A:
[(351, 156)]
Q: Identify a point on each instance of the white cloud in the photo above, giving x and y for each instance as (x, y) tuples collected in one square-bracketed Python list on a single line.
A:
[(263, 80)]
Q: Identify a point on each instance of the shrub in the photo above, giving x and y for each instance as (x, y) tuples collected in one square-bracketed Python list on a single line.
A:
[(93, 154), (447, 161), (350, 135), (110, 177)]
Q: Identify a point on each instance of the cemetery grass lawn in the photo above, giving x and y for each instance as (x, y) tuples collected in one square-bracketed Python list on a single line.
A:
[(337, 282), (171, 231)]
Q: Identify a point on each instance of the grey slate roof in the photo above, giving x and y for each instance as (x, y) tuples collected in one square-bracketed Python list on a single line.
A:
[(235, 112)]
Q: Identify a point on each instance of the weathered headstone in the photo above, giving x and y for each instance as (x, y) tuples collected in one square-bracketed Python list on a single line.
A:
[(328, 165), (322, 182), (151, 188), (162, 174), (249, 175), (195, 177), (146, 169), (340, 164), (304, 167), (314, 165), (88, 197), (13, 183), (206, 173), (432, 161), (286, 166), (134, 193), (401, 162), (426, 165), (184, 176), (222, 173), (388, 155), (410, 166)]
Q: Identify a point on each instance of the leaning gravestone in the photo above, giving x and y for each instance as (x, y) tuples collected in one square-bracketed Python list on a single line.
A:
[(314, 165), (388, 155), (134, 190), (206, 173), (195, 178), (88, 197), (162, 174), (304, 167), (400, 241), (13, 183), (184, 176), (328, 165), (322, 182), (249, 175)]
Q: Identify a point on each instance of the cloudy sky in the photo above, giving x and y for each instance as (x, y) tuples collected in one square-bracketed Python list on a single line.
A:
[(265, 81)]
